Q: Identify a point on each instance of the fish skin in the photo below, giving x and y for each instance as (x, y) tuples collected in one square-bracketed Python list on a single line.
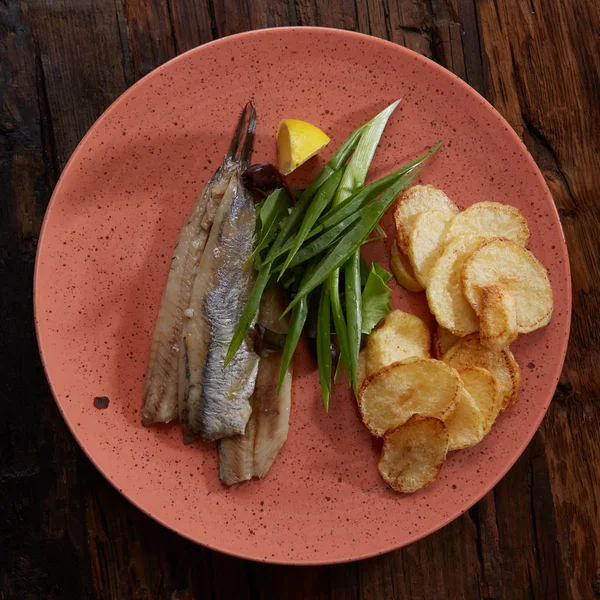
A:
[(160, 396), (165, 376), (216, 398), (243, 457)]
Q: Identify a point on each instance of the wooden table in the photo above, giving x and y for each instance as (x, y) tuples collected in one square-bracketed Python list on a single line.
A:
[(66, 533)]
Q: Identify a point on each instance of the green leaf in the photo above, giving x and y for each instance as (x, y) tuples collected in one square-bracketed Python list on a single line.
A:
[(365, 195), (274, 208), (339, 321), (376, 299), (351, 240), (271, 211), (290, 225), (383, 273), (258, 223), (324, 345), (356, 169), (354, 316), (319, 203), (364, 271), (296, 325), (382, 234), (249, 313)]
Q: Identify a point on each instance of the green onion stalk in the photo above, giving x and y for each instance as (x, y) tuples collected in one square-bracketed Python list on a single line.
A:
[(354, 178)]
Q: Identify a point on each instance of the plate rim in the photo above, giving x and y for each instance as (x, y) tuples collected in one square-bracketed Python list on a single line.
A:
[(389, 46)]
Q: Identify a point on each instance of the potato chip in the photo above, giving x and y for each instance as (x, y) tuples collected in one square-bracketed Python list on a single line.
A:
[(444, 292), (515, 268), (414, 201), (469, 352), (443, 340), (395, 393), (413, 454), (513, 365), (482, 386), (426, 241), (361, 372), (491, 219), (403, 271), (497, 317), (400, 335), (465, 423)]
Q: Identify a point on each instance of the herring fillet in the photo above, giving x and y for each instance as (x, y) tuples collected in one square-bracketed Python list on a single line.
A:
[(243, 457), (161, 389), (216, 398)]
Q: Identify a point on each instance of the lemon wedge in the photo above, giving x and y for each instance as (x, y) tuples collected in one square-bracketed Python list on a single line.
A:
[(297, 141)]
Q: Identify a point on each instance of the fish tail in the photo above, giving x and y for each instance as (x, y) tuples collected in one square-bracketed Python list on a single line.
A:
[(243, 137)]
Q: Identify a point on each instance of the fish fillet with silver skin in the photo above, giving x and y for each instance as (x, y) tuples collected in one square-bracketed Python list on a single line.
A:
[(216, 398), (161, 402), (243, 457)]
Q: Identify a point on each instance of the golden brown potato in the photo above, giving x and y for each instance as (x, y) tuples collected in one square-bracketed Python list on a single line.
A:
[(400, 335), (443, 340), (469, 352), (482, 386), (497, 317), (465, 423), (413, 454), (403, 271), (426, 241), (395, 393), (414, 201), (444, 292), (361, 373), (505, 263), (491, 219)]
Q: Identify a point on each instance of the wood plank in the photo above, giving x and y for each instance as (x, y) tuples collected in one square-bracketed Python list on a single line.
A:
[(410, 25), (150, 34), (234, 16), (341, 14), (548, 91), (28, 171), (192, 23), (444, 565), (81, 79), (160, 564), (527, 529), (42, 531), (484, 515)]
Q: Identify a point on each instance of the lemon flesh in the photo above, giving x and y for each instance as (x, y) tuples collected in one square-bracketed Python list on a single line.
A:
[(297, 141)]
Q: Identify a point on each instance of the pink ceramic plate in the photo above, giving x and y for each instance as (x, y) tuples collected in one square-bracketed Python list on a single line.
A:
[(104, 255)]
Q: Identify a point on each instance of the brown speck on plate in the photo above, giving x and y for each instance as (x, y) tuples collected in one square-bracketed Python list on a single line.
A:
[(101, 402)]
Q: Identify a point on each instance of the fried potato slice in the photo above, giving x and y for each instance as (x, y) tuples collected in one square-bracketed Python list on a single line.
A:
[(465, 423), (414, 201), (392, 395), (403, 271), (361, 373), (491, 219), (468, 352), (426, 241), (399, 336), (505, 263), (444, 292), (443, 340), (482, 386), (497, 317), (413, 454)]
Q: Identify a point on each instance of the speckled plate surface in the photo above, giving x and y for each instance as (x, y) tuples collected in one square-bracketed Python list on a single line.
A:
[(104, 254)]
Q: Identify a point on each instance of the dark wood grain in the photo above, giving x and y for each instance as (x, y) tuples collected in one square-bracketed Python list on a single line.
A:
[(66, 533)]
